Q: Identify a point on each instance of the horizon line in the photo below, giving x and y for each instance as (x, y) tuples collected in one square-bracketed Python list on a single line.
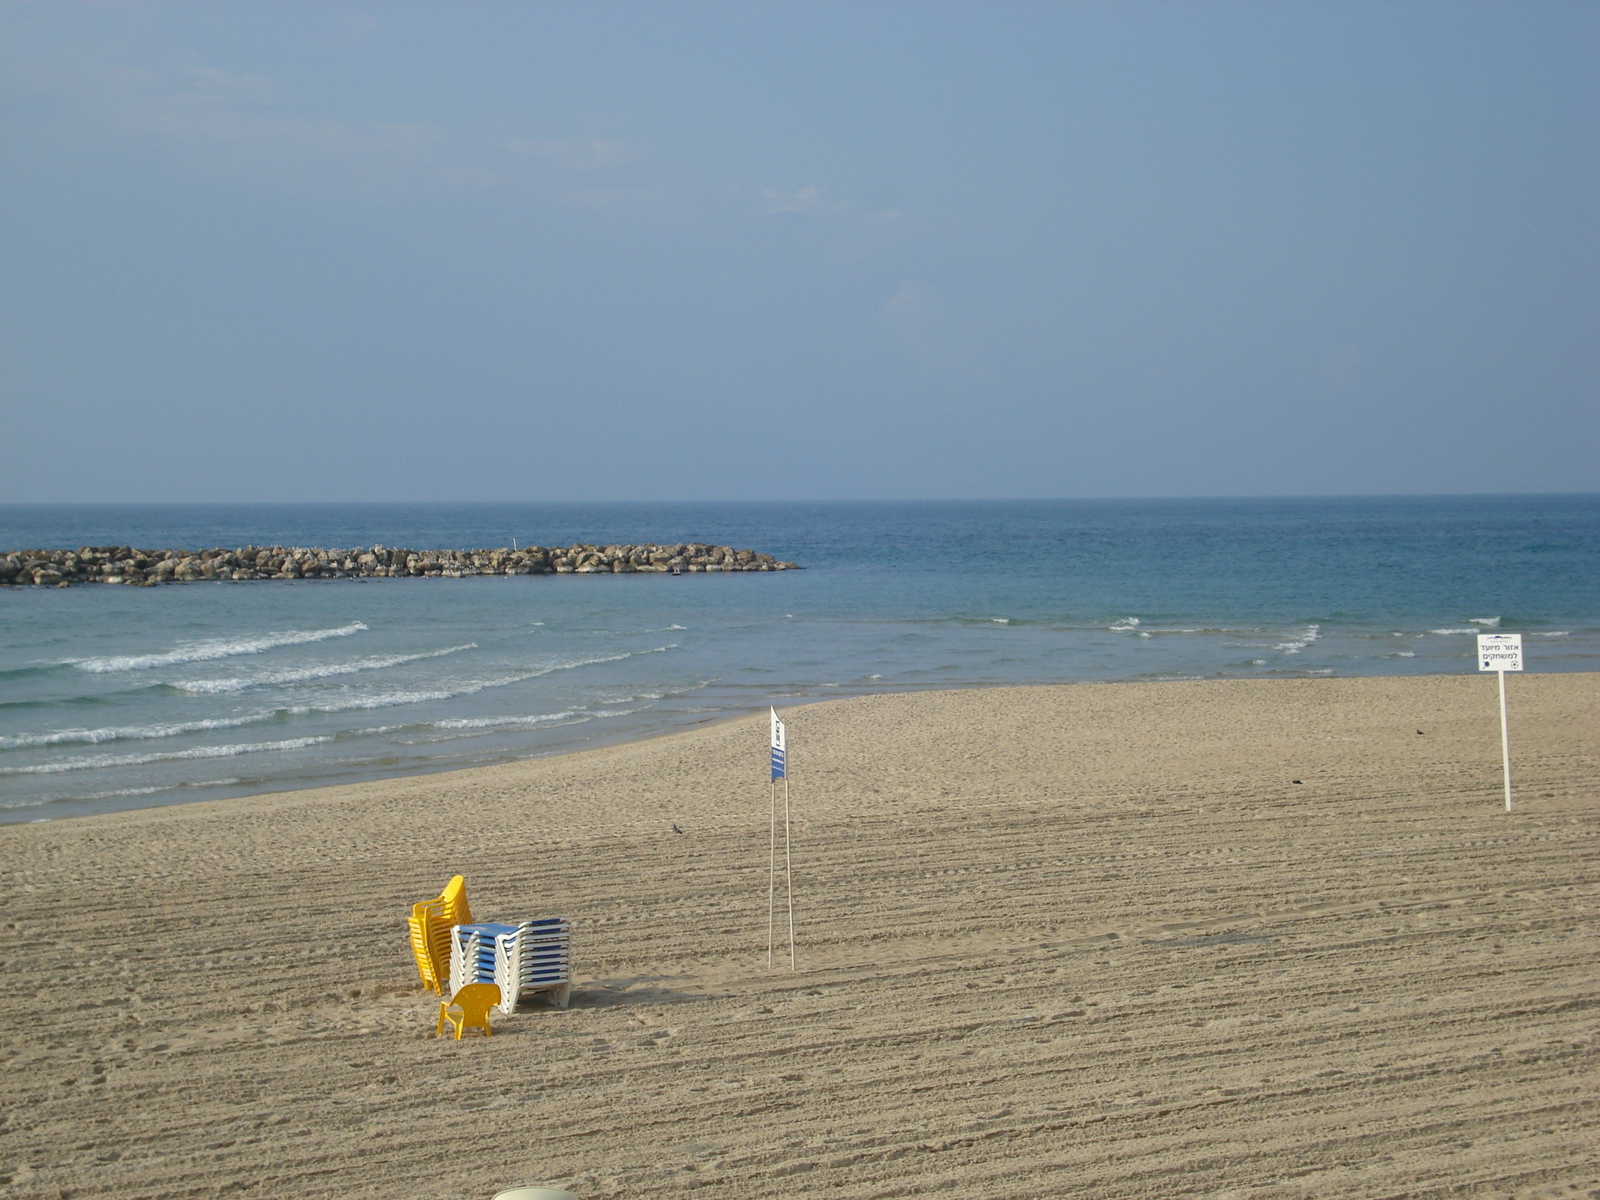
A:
[(808, 500)]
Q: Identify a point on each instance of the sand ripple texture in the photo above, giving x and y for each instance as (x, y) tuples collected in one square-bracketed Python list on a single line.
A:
[(1225, 939)]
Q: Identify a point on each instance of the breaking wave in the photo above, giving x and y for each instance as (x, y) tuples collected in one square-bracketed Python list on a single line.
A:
[(305, 674), (93, 737), (117, 793), (208, 650), (510, 722), (99, 761), (397, 699), (1308, 635)]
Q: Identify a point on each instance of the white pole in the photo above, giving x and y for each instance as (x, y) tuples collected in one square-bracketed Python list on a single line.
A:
[(772, 872), (788, 863), (1505, 740)]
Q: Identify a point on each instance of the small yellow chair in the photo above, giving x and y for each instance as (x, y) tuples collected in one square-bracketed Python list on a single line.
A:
[(469, 1007)]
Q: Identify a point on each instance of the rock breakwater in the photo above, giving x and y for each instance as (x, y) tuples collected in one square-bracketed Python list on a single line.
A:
[(127, 565)]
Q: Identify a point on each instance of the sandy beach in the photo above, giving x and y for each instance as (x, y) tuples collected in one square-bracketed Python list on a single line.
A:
[(1226, 939)]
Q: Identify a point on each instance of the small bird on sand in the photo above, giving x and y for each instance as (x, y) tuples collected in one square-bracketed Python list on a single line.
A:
[(675, 828)]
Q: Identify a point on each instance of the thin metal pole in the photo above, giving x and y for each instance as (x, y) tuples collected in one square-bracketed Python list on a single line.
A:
[(1505, 739), (772, 872), (788, 865)]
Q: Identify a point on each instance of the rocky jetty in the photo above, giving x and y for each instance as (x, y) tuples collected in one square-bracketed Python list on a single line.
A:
[(126, 565)]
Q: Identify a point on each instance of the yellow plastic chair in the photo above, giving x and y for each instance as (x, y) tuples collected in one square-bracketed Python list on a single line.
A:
[(469, 1008), (454, 900), (429, 927), (431, 956)]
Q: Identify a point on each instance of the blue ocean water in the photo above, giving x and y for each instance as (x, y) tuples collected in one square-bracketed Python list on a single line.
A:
[(116, 697)]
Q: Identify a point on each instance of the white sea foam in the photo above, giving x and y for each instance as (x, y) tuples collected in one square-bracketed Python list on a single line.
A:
[(306, 674), (93, 737), (650, 697), (1554, 633), (507, 722), (604, 658), (398, 699), (98, 761), (168, 787), (37, 801), (391, 699), (1126, 624), (1001, 620), (1406, 654), (1486, 622), (655, 695), (1308, 635), (116, 793), (1449, 631), (213, 649)]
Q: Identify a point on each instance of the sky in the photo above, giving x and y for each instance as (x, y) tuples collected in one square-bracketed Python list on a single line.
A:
[(280, 251)]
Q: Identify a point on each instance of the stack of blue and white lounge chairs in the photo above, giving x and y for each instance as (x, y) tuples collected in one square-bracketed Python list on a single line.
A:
[(523, 959)]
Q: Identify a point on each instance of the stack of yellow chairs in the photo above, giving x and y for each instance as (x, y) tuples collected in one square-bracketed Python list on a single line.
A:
[(430, 925)]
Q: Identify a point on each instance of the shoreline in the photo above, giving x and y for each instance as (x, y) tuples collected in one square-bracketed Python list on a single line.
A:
[(621, 738), (1191, 936), (611, 742)]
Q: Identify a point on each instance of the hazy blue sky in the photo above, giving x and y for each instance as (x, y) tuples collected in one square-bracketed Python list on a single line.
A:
[(280, 251)]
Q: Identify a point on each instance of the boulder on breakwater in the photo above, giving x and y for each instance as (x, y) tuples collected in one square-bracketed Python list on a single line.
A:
[(127, 565)]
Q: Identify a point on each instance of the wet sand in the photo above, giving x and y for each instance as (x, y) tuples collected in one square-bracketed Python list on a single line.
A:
[(1228, 939)]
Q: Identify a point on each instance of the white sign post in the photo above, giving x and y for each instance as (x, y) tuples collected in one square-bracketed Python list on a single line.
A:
[(1501, 652)]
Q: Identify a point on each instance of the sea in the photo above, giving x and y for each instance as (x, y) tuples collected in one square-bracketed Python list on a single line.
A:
[(117, 697)]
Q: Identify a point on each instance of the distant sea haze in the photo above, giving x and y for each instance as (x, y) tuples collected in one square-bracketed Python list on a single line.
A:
[(115, 697)]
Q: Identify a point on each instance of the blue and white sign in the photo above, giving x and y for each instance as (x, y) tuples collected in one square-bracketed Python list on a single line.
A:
[(777, 747)]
